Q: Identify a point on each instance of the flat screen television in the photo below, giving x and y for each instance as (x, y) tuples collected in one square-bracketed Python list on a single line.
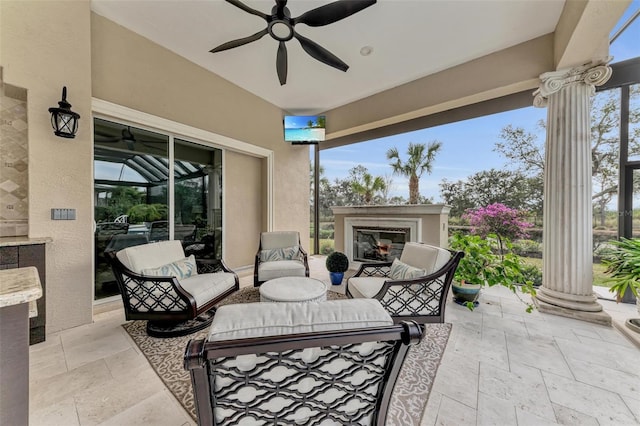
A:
[(304, 129)]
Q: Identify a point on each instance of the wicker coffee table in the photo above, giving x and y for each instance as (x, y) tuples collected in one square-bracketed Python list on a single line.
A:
[(293, 289)]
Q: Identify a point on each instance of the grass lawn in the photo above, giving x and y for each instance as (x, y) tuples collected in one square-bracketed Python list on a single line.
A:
[(598, 271)]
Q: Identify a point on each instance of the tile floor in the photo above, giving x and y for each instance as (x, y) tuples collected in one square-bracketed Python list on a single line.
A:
[(502, 366)]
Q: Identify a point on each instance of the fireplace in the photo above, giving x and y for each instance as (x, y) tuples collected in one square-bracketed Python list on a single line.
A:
[(378, 244), (378, 233)]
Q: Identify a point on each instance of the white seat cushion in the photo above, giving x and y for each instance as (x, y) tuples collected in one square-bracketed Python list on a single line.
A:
[(278, 239), (153, 255), (246, 320), (425, 257), (206, 287), (281, 268), (366, 287)]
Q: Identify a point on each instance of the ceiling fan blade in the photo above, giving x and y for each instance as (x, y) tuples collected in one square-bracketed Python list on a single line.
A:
[(320, 53), (332, 12), (239, 42), (280, 5), (248, 9), (281, 63)]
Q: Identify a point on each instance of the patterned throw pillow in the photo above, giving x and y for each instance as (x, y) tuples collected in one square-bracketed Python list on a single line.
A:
[(402, 271), (283, 253), (183, 268)]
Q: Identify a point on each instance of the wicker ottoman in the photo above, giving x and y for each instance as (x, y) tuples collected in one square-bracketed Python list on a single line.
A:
[(293, 289)]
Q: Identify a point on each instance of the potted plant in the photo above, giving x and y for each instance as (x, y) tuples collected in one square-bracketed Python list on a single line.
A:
[(480, 266), (337, 263), (623, 264), (474, 269)]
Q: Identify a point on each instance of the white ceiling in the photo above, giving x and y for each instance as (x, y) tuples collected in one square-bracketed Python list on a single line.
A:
[(410, 39)]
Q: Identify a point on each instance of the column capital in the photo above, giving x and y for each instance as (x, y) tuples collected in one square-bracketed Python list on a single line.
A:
[(592, 74)]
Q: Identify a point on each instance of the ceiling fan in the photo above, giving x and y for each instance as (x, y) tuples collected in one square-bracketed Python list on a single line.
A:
[(280, 26), (130, 140)]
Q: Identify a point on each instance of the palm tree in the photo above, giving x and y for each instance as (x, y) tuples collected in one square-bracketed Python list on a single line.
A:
[(420, 159), (368, 187)]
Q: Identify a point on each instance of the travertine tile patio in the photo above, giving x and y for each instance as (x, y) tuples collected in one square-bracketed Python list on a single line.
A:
[(502, 366)]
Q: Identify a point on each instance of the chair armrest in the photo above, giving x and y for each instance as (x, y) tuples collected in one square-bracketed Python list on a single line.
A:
[(211, 266), (374, 269), (124, 277), (304, 260)]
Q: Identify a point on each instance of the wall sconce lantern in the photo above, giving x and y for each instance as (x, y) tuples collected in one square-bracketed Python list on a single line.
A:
[(63, 120)]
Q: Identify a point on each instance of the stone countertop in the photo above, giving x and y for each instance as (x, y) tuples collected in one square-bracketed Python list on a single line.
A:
[(23, 241), (20, 285)]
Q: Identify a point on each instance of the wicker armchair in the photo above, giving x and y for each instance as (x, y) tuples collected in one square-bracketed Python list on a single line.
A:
[(413, 287), (334, 362), (279, 255), (176, 294)]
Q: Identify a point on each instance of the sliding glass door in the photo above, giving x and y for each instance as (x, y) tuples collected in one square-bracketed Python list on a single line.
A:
[(148, 187)]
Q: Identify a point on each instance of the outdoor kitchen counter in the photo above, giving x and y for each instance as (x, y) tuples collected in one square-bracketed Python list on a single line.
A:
[(21, 285), (23, 252), (19, 288), (22, 241)]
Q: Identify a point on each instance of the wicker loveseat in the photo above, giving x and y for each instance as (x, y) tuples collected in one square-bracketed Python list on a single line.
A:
[(332, 362), (174, 292), (413, 287)]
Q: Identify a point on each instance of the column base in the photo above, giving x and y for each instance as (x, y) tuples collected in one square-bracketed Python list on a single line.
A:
[(600, 317)]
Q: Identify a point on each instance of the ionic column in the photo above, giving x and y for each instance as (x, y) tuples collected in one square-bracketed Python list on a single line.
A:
[(567, 287)]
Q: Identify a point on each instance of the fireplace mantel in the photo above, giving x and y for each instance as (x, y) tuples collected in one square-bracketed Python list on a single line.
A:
[(411, 209), (429, 223)]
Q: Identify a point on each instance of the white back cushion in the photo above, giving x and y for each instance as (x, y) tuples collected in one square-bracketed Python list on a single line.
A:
[(426, 257), (246, 320), (152, 255), (278, 239)]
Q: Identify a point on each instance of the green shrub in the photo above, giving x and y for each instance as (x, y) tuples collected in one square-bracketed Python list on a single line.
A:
[(326, 246), (326, 234), (337, 262), (532, 273), (522, 247), (147, 213)]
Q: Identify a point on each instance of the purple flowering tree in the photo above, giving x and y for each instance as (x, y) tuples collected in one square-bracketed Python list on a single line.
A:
[(497, 219)]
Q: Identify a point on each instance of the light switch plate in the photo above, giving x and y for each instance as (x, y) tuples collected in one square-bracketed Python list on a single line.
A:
[(63, 214)]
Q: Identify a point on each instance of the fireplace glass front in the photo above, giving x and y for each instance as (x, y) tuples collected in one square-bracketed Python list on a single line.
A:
[(377, 244)]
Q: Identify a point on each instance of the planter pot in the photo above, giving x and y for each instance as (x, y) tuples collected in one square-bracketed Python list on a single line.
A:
[(336, 277), (463, 293), (634, 324)]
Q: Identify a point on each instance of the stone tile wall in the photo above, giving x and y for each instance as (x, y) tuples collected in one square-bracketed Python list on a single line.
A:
[(14, 170)]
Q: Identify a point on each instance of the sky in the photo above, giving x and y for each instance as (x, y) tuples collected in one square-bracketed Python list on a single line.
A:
[(467, 146), (298, 121)]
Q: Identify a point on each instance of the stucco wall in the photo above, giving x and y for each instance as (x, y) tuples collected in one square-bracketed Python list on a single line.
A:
[(244, 211), (46, 45), (161, 83)]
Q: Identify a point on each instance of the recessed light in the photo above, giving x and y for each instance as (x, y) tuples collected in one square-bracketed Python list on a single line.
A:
[(366, 50)]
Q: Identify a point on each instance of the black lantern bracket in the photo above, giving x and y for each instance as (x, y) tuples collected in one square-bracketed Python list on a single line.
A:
[(63, 120)]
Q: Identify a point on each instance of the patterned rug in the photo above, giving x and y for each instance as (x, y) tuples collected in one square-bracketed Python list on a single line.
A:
[(409, 396)]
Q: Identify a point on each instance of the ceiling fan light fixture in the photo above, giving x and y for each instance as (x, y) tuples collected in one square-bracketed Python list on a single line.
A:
[(280, 30)]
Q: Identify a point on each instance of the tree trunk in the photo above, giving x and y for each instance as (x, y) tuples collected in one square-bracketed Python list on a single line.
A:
[(413, 189)]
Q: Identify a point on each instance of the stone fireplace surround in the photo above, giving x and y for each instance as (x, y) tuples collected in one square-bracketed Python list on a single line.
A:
[(428, 223)]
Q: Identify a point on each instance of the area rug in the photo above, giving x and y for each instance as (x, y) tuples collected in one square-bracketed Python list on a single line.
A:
[(409, 396)]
